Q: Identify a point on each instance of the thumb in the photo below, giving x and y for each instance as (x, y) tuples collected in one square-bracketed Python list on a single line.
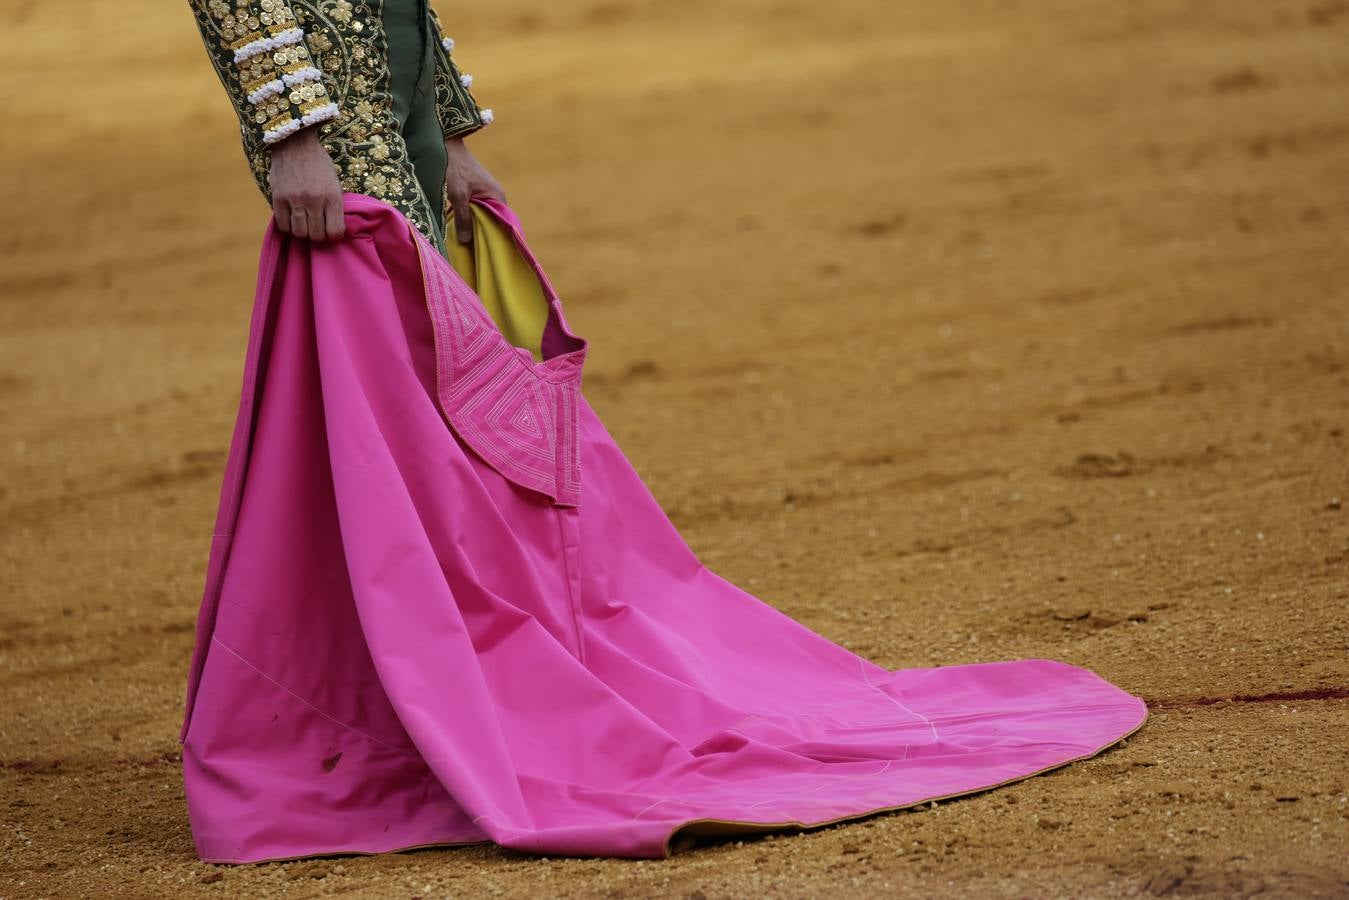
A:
[(463, 218)]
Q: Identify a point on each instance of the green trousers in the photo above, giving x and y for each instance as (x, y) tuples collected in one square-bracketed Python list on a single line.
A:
[(412, 70)]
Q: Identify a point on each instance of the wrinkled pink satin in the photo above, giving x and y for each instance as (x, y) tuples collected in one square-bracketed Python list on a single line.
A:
[(398, 646)]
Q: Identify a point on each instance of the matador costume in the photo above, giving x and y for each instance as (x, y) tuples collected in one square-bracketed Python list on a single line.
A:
[(376, 77)]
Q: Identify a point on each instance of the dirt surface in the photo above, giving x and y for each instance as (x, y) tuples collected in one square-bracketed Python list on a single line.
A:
[(959, 330)]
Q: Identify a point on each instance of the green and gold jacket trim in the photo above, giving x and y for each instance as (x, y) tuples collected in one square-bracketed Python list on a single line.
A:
[(292, 64), (459, 112)]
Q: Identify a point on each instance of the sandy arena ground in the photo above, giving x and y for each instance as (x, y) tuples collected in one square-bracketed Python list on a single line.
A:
[(959, 330)]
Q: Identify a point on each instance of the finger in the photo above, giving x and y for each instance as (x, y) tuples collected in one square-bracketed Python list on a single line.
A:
[(281, 213), (299, 222), (334, 222), (463, 218)]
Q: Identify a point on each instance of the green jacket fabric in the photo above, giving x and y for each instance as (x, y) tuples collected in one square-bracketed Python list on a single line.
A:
[(293, 64)]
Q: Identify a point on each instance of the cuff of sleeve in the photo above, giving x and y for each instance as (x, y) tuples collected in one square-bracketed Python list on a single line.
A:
[(462, 131), (284, 89), (478, 122), (460, 114), (283, 127)]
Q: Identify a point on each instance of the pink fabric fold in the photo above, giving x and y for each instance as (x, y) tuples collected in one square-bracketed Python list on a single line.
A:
[(516, 414), (415, 634)]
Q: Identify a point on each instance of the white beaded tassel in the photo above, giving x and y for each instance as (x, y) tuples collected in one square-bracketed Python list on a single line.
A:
[(273, 135), (270, 89), (299, 76), (322, 114), (314, 116), (268, 44)]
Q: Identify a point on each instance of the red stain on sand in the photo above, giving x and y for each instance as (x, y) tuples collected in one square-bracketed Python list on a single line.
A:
[(1276, 697)]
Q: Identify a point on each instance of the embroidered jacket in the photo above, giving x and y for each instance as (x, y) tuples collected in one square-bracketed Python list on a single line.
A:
[(292, 64)]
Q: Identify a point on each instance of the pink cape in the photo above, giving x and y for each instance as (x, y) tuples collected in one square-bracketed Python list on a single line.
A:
[(441, 607)]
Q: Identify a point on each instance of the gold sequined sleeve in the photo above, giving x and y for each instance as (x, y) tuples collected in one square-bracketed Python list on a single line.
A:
[(459, 113), (259, 52)]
